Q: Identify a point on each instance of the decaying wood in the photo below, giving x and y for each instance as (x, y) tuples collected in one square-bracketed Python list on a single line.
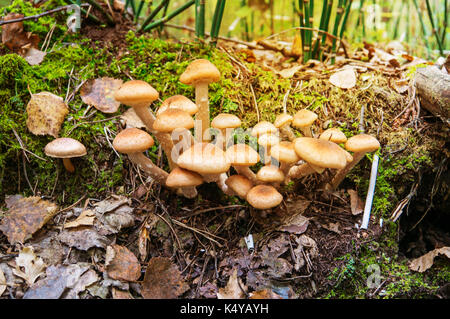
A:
[(433, 88)]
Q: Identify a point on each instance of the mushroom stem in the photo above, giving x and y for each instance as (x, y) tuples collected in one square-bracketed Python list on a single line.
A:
[(247, 172), (340, 175), (68, 165), (189, 192), (299, 171), (223, 186), (202, 116), (288, 132), (306, 131), (147, 166), (164, 139)]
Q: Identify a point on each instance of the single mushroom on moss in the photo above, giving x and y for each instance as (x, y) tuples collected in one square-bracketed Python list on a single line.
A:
[(318, 155), (241, 157), (178, 102), (65, 148), (184, 179), (224, 122), (360, 145), (134, 142), (200, 73), (140, 95), (283, 123), (303, 120), (264, 197)]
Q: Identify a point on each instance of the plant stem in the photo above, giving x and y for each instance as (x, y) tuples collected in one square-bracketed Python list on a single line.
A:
[(109, 19), (339, 12), (422, 24), (217, 20), (169, 16), (200, 18), (153, 14), (430, 15)]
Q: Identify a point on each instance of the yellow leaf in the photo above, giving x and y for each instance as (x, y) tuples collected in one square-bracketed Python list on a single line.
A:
[(86, 218)]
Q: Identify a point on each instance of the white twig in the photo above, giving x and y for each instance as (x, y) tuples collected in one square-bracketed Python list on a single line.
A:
[(370, 193)]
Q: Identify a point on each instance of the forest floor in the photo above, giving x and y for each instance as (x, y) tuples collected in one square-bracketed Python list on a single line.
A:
[(108, 231)]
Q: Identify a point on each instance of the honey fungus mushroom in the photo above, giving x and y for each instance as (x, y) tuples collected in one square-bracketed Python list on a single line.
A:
[(200, 73), (224, 122), (264, 197), (65, 148), (283, 123), (239, 185), (303, 120), (178, 102), (184, 179), (241, 157), (134, 142)]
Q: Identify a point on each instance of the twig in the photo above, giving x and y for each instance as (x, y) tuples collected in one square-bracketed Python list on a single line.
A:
[(370, 193)]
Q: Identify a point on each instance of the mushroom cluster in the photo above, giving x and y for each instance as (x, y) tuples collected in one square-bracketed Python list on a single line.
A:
[(199, 158)]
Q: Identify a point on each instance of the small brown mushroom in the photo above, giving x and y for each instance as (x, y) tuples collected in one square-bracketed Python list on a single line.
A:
[(264, 197), (224, 123), (241, 157), (178, 102), (134, 142), (283, 122), (200, 73), (303, 120), (184, 179), (270, 174), (239, 184), (333, 135), (360, 145), (267, 141), (65, 148)]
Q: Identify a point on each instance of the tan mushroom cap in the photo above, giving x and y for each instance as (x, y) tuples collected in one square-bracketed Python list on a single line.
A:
[(304, 118), (270, 174), (200, 70), (263, 127), (239, 184), (268, 140), (362, 143), (282, 120), (65, 147), (321, 153), (132, 140), (334, 135), (204, 158), (224, 120), (171, 119), (178, 102), (284, 152), (242, 155), (264, 197), (183, 178), (135, 91)]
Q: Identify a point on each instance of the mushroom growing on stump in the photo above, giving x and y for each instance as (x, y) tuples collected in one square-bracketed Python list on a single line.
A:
[(241, 157), (134, 142), (222, 122), (270, 174), (178, 102), (283, 122), (200, 73), (264, 197), (140, 95), (239, 184), (184, 179), (318, 155), (303, 120), (360, 145), (65, 148)]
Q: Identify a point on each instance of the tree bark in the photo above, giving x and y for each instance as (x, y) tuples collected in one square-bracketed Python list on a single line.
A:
[(433, 88)]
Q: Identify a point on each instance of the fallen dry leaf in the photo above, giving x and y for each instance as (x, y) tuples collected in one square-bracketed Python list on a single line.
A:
[(233, 289), (356, 203), (100, 94), (344, 79), (2, 282), (264, 294), (29, 266), (46, 113), (86, 218), (83, 238), (131, 119), (34, 56), (120, 294), (25, 216), (14, 36), (425, 262), (122, 264), (162, 280)]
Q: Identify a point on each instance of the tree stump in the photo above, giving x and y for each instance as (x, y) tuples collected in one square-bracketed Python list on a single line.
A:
[(433, 89)]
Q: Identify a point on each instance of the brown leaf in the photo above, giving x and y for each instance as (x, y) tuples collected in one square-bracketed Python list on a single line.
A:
[(296, 224), (120, 294), (29, 266), (425, 262), (162, 280), (122, 264), (26, 216), (233, 288), (46, 113), (14, 36), (83, 238), (100, 94), (2, 282), (34, 56), (345, 79), (131, 119), (356, 204), (264, 294), (86, 218)]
